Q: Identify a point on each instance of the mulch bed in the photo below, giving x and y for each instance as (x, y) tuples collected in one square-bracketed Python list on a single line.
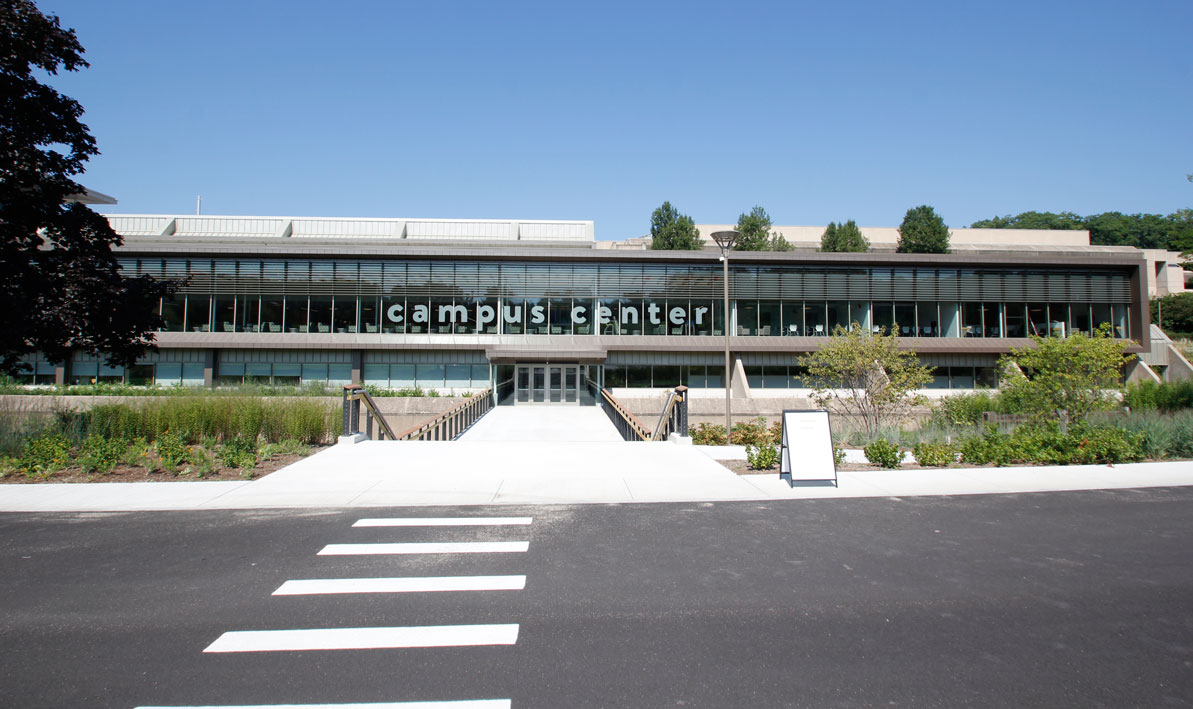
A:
[(139, 474)]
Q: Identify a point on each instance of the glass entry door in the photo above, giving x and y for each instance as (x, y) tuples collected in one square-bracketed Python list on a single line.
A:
[(548, 384)]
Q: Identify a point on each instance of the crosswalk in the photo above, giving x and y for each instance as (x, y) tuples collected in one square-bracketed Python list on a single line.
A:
[(405, 637)]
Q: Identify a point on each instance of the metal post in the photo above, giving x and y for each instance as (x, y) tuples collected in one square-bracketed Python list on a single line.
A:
[(728, 373), (347, 427), (725, 240), (681, 411)]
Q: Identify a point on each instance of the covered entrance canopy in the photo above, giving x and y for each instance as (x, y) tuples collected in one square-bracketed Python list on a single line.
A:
[(545, 374)]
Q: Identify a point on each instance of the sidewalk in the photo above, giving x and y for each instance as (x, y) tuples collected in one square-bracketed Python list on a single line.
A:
[(483, 472)]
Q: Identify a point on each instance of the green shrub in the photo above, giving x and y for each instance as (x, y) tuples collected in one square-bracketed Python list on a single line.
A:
[(171, 450), (1162, 396), (1105, 444), (884, 454), (269, 451), (99, 454), (935, 455), (707, 434), (762, 457), (200, 461), (964, 409), (239, 452), (45, 454), (975, 449), (838, 456), (752, 433)]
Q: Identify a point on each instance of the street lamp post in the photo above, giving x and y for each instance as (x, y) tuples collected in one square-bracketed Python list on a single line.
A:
[(725, 240)]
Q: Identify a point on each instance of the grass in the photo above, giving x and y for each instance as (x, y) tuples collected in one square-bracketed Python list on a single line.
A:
[(8, 386)]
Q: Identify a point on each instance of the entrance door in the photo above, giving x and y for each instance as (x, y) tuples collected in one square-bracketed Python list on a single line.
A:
[(547, 384)]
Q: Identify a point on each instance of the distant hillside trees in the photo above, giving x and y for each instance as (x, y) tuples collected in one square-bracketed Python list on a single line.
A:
[(844, 238), (672, 231), (1146, 231)]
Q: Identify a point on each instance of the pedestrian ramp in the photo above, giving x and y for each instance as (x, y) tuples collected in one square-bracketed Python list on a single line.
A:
[(543, 423)]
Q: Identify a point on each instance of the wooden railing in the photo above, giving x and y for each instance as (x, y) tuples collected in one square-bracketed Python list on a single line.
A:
[(674, 418), (448, 425), (354, 396)]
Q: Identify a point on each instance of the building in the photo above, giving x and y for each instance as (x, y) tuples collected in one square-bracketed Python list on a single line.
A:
[(537, 308)]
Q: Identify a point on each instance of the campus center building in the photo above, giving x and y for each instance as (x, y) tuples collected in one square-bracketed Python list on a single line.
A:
[(537, 308)]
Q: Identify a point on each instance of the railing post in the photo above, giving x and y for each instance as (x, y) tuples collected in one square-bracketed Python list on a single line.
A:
[(348, 427), (681, 411), (369, 424), (356, 415)]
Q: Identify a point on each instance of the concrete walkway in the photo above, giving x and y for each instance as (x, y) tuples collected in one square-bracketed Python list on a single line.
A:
[(543, 423), (529, 472)]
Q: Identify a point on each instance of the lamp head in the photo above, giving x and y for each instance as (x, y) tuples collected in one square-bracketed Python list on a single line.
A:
[(725, 239)]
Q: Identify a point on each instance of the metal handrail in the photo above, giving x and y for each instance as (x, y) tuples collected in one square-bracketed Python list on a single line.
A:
[(627, 424), (354, 394), (448, 425), (674, 418)]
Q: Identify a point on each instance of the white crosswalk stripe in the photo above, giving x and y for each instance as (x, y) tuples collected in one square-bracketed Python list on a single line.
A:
[(421, 584), (365, 638), (450, 704), (443, 521), (399, 637), (424, 548)]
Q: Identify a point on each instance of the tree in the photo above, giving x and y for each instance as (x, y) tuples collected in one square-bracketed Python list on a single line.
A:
[(672, 231), (1077, 374), (923, 232), (1177, 309), (866, 375), (60, 286), (844, 238), (756, 234)]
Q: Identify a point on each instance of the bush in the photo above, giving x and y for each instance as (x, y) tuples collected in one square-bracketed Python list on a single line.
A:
[(1083, 444), (200, 461), (763, 457), (752, 433), (239, 452), (838, 456), (269, 451), (45, 454), (1163, 396), (707, 434), (99, 454), (884, 454), (964, 409), (171, 450), (934, 455)]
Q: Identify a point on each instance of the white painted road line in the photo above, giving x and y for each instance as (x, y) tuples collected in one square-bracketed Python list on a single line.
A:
[(443, 521), (364, 638), (457, 704), (424, 548), (421, 584)]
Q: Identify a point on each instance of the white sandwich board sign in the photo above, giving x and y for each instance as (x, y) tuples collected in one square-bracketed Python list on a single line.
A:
[(808, 442)]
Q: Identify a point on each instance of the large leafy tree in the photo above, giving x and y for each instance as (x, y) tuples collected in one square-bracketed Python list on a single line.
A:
[(866, 375), (923, 232), (60, 286), (1079, 374), (844, 238), (756, 234), (672, 231)]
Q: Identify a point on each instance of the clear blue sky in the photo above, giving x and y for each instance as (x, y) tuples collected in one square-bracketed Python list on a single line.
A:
[(816, 111)]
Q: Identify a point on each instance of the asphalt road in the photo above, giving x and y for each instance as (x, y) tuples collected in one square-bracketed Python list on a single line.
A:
[(1053, 599)]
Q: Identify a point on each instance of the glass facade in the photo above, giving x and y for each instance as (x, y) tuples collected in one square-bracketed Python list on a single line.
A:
[(461, 297)]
